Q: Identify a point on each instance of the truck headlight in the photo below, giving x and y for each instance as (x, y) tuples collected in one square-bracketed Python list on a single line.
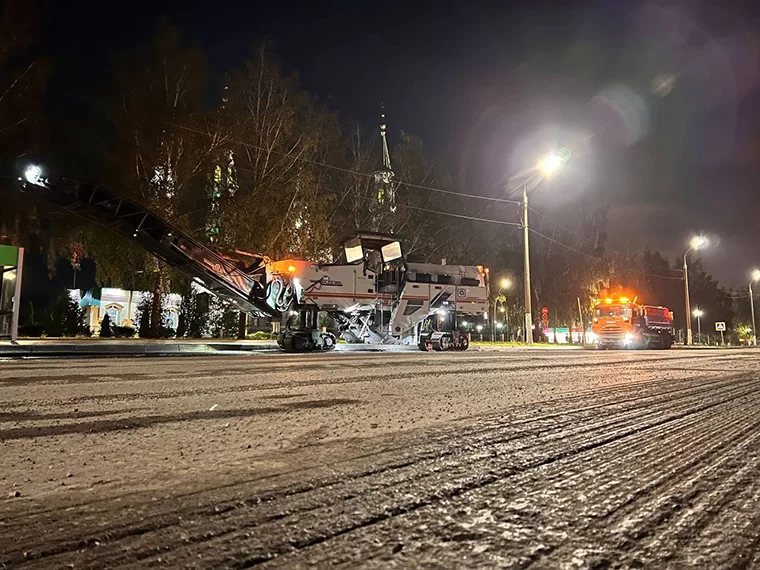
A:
[(628, 337)]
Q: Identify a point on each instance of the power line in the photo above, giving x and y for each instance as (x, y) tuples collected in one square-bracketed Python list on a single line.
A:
[(563, 244), (450, 214), (556, 223), (599, 259), (589, 241), (461, 216), (349, 171)]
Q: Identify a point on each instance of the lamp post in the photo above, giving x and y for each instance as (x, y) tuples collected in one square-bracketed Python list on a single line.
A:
[(502, 309), (755, 277), (696, 243), (698, 313), (548, 166), (505, 283)]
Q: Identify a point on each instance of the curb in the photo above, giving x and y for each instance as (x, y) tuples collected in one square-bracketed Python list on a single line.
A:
[(127, 349)]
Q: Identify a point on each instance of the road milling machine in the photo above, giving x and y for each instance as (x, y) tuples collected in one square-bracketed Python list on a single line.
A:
[(373, 293)]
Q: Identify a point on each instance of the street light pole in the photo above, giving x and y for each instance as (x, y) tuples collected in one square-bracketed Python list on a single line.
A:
[(755, 277), (695, 243), (699, 327), (493, 320), (686, 296), (752, 310), (500, 299), (526, 270)]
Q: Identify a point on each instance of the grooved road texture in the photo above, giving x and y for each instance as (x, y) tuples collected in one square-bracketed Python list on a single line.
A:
[(521, 459)]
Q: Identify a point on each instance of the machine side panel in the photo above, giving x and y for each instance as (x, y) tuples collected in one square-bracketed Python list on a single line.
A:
[(472, 300)]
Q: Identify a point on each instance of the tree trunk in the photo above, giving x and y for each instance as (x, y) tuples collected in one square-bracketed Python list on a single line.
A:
[(155, 308), (242, 322)]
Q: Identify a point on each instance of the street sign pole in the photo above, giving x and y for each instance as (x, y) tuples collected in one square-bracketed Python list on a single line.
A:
[(720, 326)]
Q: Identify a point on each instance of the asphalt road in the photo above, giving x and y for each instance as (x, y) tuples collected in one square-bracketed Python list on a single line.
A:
[(513, 459)]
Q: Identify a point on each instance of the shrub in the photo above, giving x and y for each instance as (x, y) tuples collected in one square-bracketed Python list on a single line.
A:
[(142, 315), (166, 332), (223, 319), (261, 335), (65, 318), (31, 329), (123, 332), (105, 327), (193, 315)]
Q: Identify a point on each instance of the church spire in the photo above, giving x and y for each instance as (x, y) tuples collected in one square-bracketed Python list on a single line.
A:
[(386, 193)]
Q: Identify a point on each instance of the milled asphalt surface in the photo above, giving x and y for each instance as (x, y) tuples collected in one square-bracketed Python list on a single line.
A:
[(512, 459)]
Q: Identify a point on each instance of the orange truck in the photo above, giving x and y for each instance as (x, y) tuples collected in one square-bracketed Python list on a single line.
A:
[(620, 322)]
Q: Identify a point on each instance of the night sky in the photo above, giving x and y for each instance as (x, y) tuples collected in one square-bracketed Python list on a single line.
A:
[(668, 92)]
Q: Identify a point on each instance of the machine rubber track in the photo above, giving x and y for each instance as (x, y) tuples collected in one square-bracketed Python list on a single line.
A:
[(443, 342)]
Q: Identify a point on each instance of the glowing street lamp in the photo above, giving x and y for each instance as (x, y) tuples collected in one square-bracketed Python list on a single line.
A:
[(550, 164), (697, 242), (698, 313), (755, 277)]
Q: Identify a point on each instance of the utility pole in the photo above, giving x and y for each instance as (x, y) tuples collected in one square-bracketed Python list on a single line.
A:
[(549, 165), (528, 309)]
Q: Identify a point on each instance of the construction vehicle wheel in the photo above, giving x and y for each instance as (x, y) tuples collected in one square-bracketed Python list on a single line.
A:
[(443, 343), (425, 346), (328, 342), (464, 343), (292, 341)]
